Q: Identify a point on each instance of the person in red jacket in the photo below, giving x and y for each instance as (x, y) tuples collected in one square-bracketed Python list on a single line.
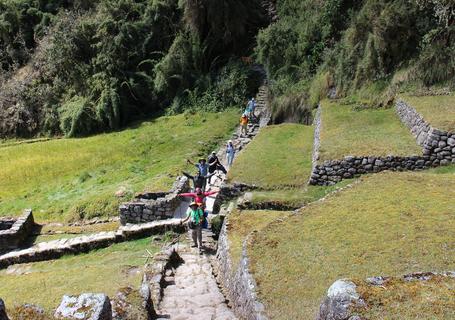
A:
[(198, 196)]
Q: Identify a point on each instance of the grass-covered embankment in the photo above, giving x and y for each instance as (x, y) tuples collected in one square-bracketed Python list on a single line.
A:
[(242, 223), (388, 224), (105, 270), (279, 157), (438, 111), (78, 178), (376, 132)]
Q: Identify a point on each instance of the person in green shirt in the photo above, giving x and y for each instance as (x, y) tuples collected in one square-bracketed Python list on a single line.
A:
[(196, 216)]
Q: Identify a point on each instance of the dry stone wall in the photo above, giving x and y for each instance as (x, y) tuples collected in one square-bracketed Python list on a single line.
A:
[(57, 248), (438, 149), (439, 145), (149, 207), (238, 283), (13, 232)]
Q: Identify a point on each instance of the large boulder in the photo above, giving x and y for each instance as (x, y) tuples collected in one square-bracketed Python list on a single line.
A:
[(341, 297), (87, 306)]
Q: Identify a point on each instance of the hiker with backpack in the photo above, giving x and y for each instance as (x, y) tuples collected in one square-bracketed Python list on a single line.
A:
[(230, 153), (195, 218)]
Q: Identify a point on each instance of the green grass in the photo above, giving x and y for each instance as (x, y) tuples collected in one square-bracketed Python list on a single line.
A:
[(438, 111), (105, 270), (387, 224), (77, 178), (296, 197), (279, 156), (54, 232), (242, 223), (400, 299), (348, 132)]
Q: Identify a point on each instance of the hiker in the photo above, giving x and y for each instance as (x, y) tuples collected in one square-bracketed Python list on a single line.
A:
[(198, 196), (195, 215), (244, 124), (202, 166), (203, 169), (230, 153), (215, 164), (251, 106), (199, 181)]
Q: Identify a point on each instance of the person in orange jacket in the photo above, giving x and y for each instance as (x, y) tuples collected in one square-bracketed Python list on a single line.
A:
[(244, 124)]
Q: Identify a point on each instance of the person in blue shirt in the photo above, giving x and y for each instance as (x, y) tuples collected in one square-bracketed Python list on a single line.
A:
[(250, 108), (203, 169)]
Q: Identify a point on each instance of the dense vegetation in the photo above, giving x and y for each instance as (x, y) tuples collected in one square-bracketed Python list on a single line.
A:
[(80, 67), (357, 49)]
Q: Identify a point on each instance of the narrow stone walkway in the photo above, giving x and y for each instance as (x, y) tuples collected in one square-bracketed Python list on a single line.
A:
[(191, 291)]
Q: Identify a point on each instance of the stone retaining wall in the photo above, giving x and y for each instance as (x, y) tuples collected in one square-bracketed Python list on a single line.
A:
[(57, 248), (13, 232), (438, 149), (333, 171), (154, 206), (238, 284), (438, 144)]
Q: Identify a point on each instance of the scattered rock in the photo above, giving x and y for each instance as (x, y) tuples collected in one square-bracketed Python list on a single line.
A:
[(87, 306)]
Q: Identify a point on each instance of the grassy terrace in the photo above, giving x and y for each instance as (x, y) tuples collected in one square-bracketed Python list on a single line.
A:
[(105, 270), (432, 299), (378, 132), (438, 111), (296, 197), (243, 223), (279, 156), (368, 230), (69, 179)]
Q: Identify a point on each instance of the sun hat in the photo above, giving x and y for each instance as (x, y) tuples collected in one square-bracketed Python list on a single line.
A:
[(192, 204), (213, 152)]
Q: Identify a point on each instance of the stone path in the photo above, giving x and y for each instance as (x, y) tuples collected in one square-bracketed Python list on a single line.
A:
[(191, 291)]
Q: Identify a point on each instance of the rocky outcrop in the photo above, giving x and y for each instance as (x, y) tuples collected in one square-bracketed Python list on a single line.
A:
[(87, 306), (438, 145), (14, 232), (149, 207)]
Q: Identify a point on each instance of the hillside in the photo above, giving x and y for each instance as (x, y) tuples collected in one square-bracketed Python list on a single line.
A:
[(73, 179), (365, 50), (81, 67)]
